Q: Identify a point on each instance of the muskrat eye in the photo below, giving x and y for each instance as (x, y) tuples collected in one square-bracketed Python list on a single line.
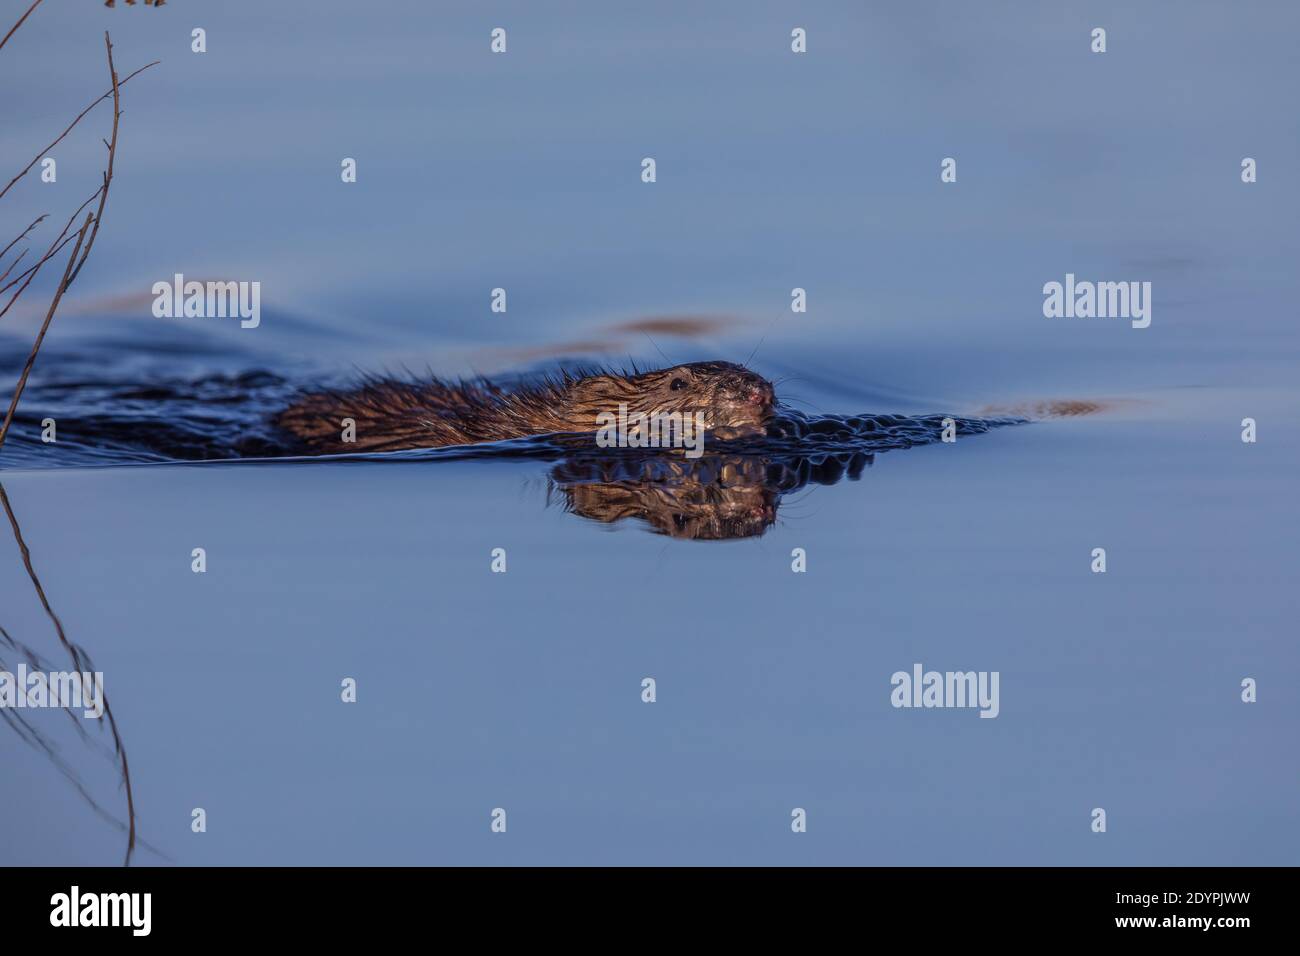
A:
[(677, 384)]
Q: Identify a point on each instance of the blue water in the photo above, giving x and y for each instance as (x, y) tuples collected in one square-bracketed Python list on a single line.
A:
[(522, 690)]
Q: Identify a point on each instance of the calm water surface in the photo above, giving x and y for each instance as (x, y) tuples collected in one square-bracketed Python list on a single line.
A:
[(522, 690)]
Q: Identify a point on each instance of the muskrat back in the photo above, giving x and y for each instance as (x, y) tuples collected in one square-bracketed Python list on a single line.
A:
[(391, 415)]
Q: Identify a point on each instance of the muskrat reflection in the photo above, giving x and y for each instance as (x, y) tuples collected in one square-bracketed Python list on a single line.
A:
[(712, 498)]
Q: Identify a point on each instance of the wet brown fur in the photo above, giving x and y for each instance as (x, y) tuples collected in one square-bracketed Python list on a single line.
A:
[(391, 415)]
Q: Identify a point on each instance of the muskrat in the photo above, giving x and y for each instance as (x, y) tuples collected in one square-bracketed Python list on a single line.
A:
[(391, 415)]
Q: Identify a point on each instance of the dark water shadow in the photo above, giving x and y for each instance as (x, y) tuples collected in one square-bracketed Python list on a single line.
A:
[(737, 492)]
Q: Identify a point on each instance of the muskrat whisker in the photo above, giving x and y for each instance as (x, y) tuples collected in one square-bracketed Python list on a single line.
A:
[(656, 346), (761, 339), (790, 502), (788, 378), (795, 398)]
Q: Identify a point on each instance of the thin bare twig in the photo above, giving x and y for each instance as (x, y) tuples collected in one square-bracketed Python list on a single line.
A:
[(17, 259), (59, 242), (14, 29), (112, 154), (29, 166), (19, 238), (63, 239), (40, 336), (78, 258), (78, 656)]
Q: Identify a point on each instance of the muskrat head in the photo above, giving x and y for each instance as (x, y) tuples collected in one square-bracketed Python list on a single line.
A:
[(728, 395)]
